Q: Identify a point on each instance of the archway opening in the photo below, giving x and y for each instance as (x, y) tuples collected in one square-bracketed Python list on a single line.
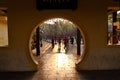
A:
[(57, 40)]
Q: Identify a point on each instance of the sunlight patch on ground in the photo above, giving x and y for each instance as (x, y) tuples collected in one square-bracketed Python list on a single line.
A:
[(62, 59)]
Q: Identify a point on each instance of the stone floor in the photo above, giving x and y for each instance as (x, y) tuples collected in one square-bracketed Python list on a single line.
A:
[(59, 65)]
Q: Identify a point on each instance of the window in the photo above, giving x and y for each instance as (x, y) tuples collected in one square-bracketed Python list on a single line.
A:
[(114, 28), (3, 28)]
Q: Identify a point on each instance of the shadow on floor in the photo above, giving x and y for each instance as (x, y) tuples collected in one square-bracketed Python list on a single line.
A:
[(100, 75), (16, 75), (84, 75)]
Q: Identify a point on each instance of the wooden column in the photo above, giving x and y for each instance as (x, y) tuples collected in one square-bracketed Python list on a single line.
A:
[(115, 39), (37, 42), (78, 42)]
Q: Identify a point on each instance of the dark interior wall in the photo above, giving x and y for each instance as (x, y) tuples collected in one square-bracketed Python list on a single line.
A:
[(90, 16)]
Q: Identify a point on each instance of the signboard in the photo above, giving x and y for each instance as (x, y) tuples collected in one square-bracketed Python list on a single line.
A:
[(117, 0), (56, 4)]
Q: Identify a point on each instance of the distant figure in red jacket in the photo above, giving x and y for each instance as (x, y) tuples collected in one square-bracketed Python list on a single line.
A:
[(66, 40)]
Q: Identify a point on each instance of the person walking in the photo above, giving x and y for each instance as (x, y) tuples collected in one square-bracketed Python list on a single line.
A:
[(52, 41), (59, 44), (71, 40), (66, 41)]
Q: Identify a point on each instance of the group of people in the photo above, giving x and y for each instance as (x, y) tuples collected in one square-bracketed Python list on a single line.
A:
[(65, 41), (60, 40)]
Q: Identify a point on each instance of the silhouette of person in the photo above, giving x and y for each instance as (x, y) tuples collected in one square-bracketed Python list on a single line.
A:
[(52, 41)]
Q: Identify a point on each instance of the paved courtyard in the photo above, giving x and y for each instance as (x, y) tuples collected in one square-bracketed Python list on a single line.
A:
[(57, 65)]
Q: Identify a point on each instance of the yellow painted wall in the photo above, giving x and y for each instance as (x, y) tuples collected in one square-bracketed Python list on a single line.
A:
[(90, 16)]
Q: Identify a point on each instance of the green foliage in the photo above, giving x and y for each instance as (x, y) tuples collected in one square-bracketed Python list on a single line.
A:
[(60, 28)]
